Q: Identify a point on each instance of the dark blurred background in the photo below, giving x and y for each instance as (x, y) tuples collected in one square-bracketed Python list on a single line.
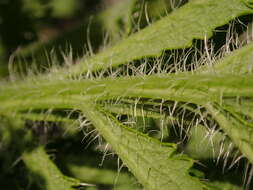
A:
[(24, 22)]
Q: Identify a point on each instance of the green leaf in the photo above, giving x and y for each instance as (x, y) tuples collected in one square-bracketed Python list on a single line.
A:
[(238, 62), (146, 12), (117, 19), (171, 32), (226, 186), (45, 172), (103, 176), (213, 143), (240, 134), (192, 88), (155, 165)]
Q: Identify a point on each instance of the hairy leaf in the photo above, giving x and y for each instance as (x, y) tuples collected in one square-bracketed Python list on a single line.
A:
[(240, 61), (193, 88), (240, 133), (155, 165), (171, 32)]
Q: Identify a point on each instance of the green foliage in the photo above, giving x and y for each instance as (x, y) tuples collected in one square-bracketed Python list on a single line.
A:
[(161, 35), (146, 158), (40, 165), (162, 115)]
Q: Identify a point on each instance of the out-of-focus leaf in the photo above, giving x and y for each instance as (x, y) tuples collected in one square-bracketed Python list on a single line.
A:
[(45, 173), (199, 136), (64, 8), (103, 177)]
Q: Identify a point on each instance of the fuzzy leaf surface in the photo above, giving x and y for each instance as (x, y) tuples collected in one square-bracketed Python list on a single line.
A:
[(155, 165), (171, 32), (193, 88), (239, 132), (239, 61)]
